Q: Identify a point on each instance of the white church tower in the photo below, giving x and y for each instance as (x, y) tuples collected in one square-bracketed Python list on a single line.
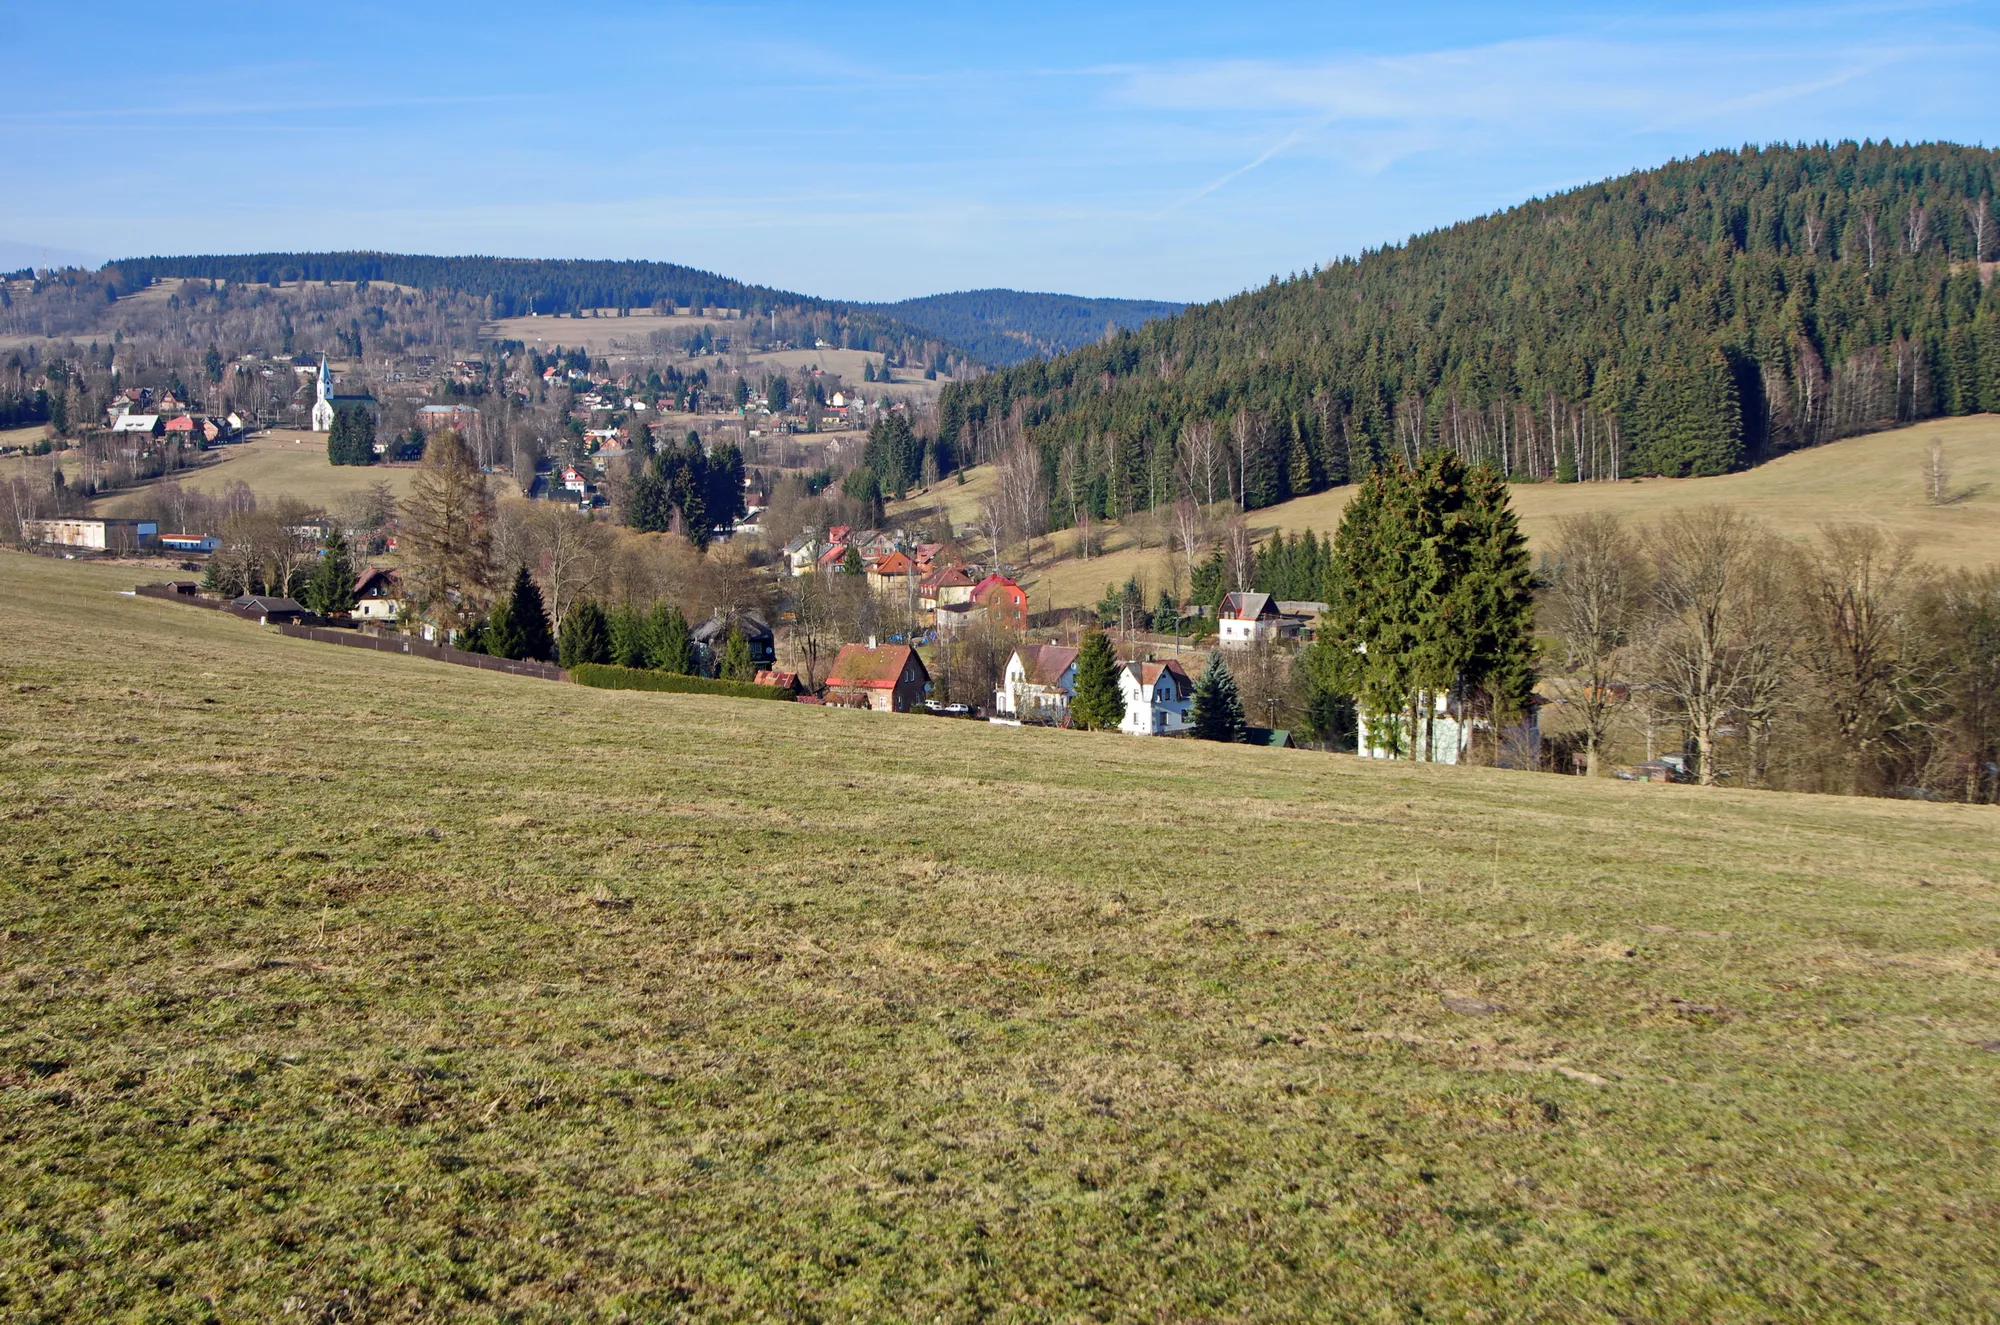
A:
[(322, 415)]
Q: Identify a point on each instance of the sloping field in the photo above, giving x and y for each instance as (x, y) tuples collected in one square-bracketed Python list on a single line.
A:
[(342, 986), (1878, 478), (277, 463)]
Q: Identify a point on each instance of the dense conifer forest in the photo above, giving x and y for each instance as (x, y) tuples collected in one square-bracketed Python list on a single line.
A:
[(1693, 319), (1010, 326)]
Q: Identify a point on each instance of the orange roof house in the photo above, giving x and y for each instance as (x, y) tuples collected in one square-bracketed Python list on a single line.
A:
[(888, 679), (1006, 603)]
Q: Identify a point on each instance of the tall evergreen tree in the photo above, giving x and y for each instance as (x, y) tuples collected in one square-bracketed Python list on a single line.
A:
[(736, 664), (520, 625), (628, 637), (585, 636), (1218, 706), (1099, 703), (668, 647), (329, 588)]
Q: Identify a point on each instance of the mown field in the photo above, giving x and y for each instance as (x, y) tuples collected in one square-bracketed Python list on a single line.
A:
[(1878, 479), (341, 986), (279, 463)]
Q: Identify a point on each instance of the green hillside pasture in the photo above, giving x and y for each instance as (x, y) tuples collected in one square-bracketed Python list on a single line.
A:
[(280, 463), (340, 985)]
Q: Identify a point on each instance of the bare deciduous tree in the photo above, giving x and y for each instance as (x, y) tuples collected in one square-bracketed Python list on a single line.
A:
[(1854, 652), (1699, 594), (1596, 594), (1937, 474), (1198, 454)]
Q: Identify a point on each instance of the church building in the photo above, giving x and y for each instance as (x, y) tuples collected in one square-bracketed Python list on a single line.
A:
[(327, 404)]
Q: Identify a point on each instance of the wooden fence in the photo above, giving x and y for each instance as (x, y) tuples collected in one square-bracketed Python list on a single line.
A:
[(417, 648)]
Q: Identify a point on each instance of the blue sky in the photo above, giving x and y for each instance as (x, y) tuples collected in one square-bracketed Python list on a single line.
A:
[(1147, 150)]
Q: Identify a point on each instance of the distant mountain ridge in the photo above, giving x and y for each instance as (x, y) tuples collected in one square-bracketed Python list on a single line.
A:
[(1009, 326), (550, 287), (996, 327)]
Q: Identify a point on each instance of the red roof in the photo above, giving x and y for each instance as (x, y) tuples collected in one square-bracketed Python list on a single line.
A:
[(951, 577), (871, 669), (782, 680), (1044, 664), (893, 564), (833, 556), (838, 533), (996, 581)]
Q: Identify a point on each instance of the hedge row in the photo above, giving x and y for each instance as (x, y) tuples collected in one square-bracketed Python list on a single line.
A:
[(606, 677)]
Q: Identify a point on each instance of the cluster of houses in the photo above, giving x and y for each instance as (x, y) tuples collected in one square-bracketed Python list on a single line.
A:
[(135, 413), (950, 590), (1040, 683)]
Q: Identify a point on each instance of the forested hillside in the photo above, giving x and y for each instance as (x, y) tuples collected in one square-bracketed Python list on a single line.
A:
[(1009, 326), (1688, 320), (518, 286)]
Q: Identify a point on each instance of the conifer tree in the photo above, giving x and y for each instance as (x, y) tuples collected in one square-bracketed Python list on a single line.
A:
[(668, 648), (628, 637), (329, 589), (520, 626), (736, 657), (1099, 704), (1218, 707), (585, 636)]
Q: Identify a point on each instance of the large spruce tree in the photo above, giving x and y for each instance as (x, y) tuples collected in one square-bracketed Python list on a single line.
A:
[(1218, 706), (519, 627), (1099, 703), (668, 646), (585, 636), (329, 588), (1428, 596)]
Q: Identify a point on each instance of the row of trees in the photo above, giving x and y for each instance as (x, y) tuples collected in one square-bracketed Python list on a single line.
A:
[(1839, 665), (1687, 320)]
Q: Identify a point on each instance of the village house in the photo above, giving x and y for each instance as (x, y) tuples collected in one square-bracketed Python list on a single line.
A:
[(189, 542), (888, 679), (1445, 737), (801, 554), (711, 638), (1037, 686), (143, 425), (1158, 696), (1006, 602), (573, 480), (378, 595), (1248, 618), (948, 619), (943, 587), (889, 574), (832, 558)]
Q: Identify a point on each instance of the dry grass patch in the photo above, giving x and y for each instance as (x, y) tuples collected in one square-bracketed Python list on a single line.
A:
[(362, 987)]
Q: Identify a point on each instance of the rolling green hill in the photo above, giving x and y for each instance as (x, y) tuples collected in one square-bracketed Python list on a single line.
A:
[(346, 986), (1689, 320)]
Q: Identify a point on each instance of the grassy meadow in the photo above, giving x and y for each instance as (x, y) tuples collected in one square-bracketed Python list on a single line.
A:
[(1876, 479), (343, 986), (282, 462)]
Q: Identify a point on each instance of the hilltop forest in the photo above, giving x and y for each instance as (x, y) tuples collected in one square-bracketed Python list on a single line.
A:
[(1689, 320), (1009, 326), (551, 287)]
